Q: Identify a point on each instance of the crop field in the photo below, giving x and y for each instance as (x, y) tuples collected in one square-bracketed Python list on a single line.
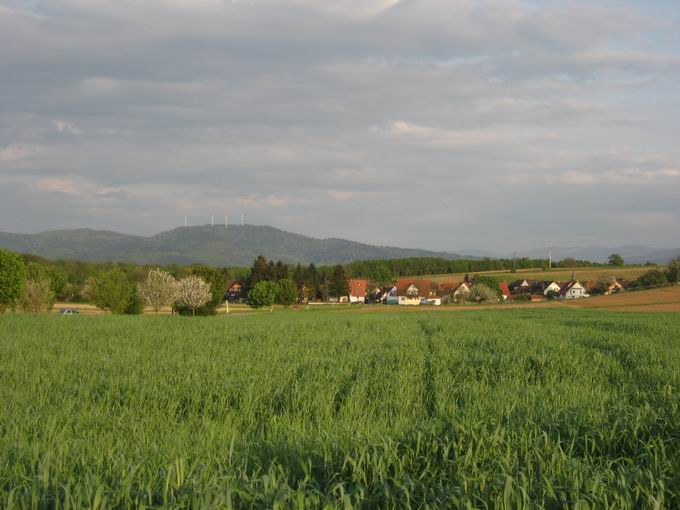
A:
[(581, 273), (518, 408)]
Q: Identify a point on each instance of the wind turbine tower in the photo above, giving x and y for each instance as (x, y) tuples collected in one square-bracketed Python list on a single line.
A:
[(550, 257), (226, 223), (241, 219), (212, 220), (186, 222)]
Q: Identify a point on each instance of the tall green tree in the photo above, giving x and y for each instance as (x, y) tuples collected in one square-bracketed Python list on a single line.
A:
[(112, 291), (281, 271), (615, 260), (259, 272), (12, 278), (338, 284), (263, 294), (287, 294)]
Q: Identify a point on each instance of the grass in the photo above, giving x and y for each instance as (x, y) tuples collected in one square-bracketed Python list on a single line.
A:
[(524, 408)]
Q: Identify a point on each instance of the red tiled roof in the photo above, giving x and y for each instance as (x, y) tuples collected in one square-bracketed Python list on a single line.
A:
[(357, 288)]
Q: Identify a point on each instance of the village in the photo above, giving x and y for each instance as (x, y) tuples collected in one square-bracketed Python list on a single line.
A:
[(418, 291)]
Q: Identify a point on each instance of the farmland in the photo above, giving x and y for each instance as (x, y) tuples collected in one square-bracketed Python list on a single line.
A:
[(582, 273), (557, 408)]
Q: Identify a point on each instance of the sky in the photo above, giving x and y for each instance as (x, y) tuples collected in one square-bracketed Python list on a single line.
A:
[(440, 124)]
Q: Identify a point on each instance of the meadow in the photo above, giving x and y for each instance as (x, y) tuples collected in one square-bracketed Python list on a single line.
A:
[(517, 408)]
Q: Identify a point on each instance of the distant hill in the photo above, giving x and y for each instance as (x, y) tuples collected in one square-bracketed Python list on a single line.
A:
[(236, 246)]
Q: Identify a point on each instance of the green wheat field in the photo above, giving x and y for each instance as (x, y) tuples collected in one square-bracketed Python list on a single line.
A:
[(487, 409)]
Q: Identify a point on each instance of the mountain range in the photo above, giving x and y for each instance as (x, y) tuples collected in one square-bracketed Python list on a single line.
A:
[(238, 245)]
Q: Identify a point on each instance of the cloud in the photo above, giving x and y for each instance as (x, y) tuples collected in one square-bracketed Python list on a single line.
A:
[(301, 113)]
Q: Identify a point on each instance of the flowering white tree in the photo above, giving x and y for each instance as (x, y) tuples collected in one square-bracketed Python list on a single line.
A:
[(193, 293), (158, 290), (38, 295)]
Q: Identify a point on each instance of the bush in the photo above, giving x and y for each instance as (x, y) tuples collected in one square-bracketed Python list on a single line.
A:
[(111, 291), (38, 295), (12, 279), (263, 294), (287, 292), (481, 293), (652, 278), (673, 271)]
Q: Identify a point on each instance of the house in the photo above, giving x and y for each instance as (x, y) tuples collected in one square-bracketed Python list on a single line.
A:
[(390, 296), (573, 290), (357, 291), (461, 292), (417, 291), (505, 291), (554, 287), (235, 291)]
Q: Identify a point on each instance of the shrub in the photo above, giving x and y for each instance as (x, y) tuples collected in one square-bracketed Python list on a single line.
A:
[(111, 291), (38, 295), (263, 294), (480, 293), (287, 292), (652, 278)]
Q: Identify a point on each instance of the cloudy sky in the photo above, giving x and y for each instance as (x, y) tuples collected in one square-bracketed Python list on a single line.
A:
[(442, 124)]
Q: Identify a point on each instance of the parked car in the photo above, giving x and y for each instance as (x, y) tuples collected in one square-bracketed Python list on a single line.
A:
[(69, 311)]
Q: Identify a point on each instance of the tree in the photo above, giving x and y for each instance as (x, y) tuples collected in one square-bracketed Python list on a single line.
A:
[(287, 292), (338, 284), (193, 292), (111, 290), (673, 271), (280, 271), (259, 272), (218, 279), (264, 293), (12, 278), (490, 282), (158, 290), (480, 293), (652, 278), (38, 295), (615, 260)]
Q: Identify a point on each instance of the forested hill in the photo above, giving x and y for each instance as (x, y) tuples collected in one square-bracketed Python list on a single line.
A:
[(236, 246)]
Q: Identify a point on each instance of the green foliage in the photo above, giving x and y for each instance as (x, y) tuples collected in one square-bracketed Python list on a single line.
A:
[(38, 295), (112, 291), (673, 271), (136, 305), (287, 292), (508, 409), (615, 260), (652, 278), (488, 281), (338, 284), (12, 278), (263, 294), (218, 279), (481, 293)]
